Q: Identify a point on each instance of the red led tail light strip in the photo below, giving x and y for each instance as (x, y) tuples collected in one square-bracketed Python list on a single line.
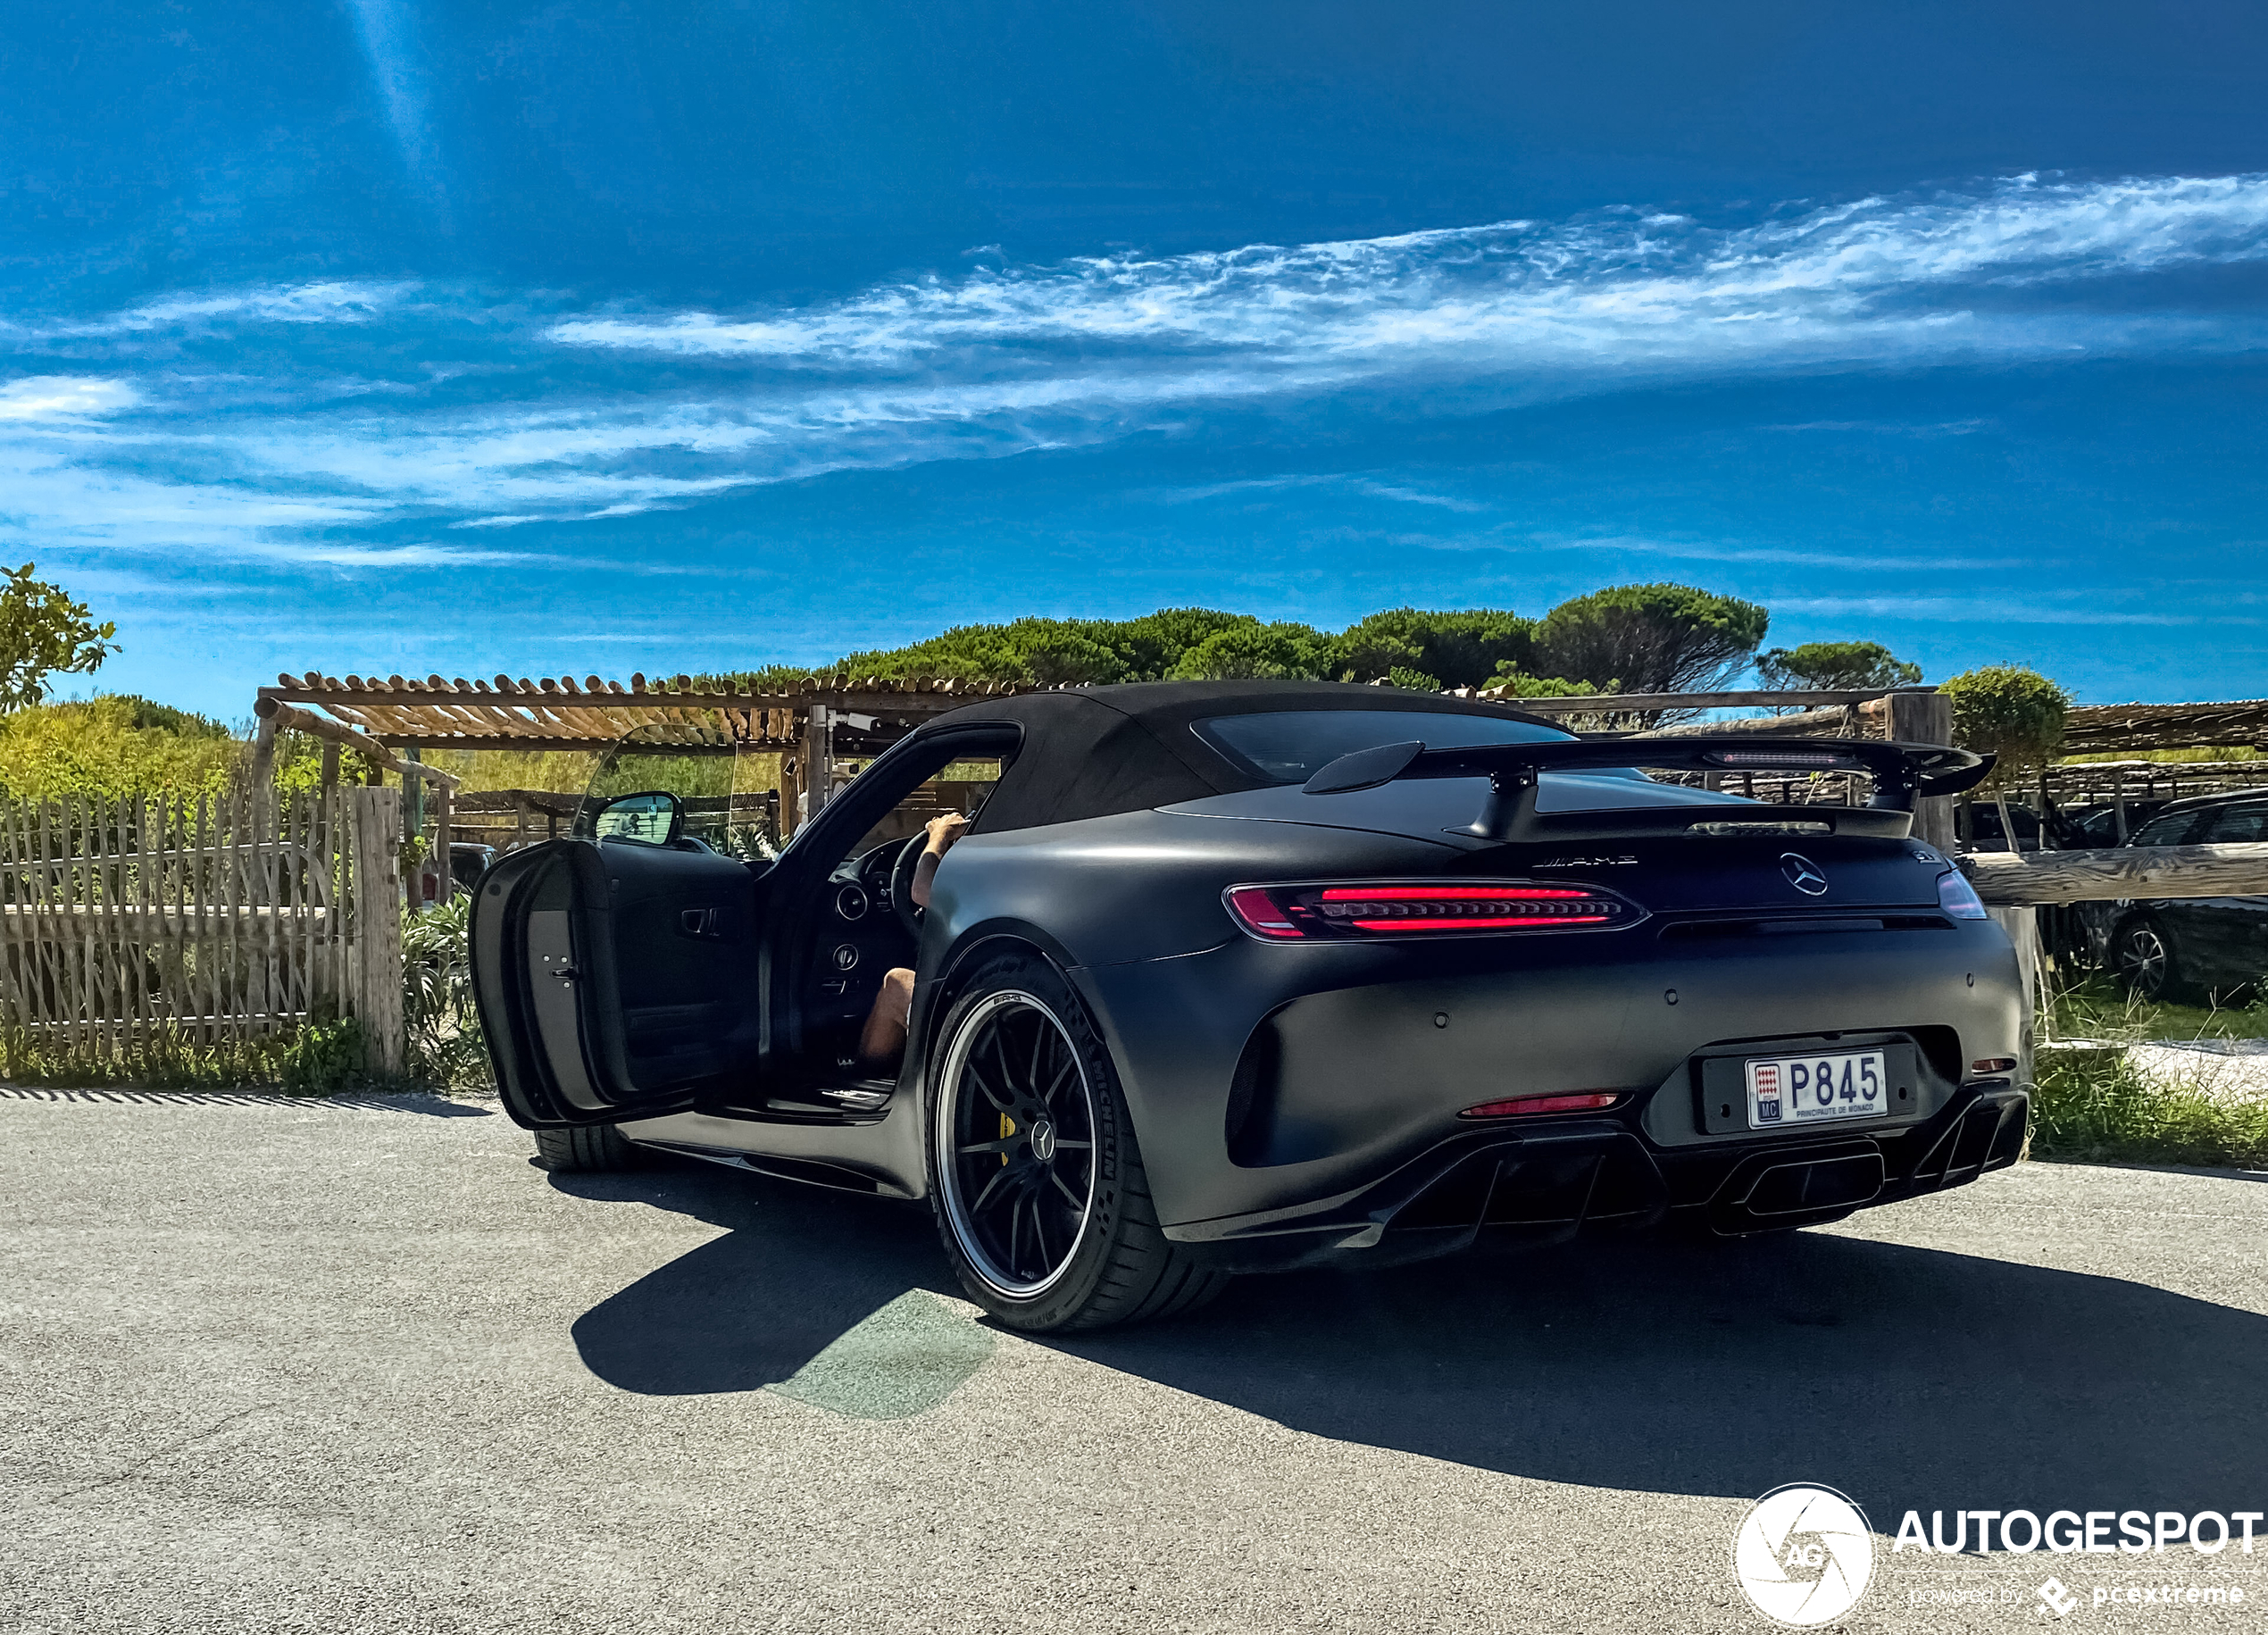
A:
[(1364, 911)]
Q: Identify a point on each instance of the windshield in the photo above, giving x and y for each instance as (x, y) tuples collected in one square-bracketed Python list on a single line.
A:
[(1292, 746)]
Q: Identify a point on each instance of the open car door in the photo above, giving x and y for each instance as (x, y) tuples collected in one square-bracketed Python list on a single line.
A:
[(616, 978), (616, 970)]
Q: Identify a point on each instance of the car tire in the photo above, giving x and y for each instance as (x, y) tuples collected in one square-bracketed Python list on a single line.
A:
[(2142, 958), (594, 1146), (1018, 1054)]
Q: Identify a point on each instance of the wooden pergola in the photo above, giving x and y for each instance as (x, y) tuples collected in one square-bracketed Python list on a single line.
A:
[(811, 727)]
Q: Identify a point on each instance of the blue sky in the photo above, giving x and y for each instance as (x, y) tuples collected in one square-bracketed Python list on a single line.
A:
[(380, 336)]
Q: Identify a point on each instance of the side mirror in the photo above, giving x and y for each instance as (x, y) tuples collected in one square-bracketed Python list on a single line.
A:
[(654, 818)]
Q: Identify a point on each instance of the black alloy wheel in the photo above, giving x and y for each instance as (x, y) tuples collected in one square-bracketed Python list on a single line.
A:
[(1034, 1173), (1017, 1147)]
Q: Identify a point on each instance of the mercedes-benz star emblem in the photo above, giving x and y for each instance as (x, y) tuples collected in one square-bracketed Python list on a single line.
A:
[(1043, 1140), (1807, 876)]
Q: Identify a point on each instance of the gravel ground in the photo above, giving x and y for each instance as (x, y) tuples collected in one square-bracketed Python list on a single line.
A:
[(2234, 1067), (274, 1365)]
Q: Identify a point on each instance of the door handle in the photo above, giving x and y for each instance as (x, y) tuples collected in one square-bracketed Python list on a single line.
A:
[(707, 924)]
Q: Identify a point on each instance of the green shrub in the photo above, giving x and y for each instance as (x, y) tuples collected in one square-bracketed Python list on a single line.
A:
[(320, 1058), (1257, 652), (443, 1047), (1463, 647), (2010, 712), (110, 747), (1835, 666), (1515, 685), (327, 1055), (1650, 639)]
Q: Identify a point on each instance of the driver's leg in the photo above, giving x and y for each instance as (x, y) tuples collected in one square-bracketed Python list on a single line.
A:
[(882, 1040)]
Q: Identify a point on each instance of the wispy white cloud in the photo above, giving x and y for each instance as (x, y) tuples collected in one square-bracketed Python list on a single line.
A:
[(385, 29), (1852, 558), (1996, 609), (1622, 294), (328, 301), (1354, 483), (1895, 429), (508, 417), (51, 398)]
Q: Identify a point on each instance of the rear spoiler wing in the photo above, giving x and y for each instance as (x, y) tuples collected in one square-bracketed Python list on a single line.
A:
[(1901, 772)]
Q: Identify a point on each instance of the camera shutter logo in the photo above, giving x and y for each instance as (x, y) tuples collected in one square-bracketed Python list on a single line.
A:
[(1804, 1556)]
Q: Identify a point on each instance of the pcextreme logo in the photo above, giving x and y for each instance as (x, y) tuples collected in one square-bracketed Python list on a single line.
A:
[(1804, 1556)]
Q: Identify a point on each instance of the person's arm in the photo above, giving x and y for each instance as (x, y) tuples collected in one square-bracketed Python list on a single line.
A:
[(943, 832)]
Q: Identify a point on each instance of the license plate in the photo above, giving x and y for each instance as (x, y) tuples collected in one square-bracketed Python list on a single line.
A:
[(1784, 1090)]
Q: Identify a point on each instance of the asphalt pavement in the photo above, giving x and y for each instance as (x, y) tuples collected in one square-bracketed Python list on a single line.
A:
[(361, 1366)]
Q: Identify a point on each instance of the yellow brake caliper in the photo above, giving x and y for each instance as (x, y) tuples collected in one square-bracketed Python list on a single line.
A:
[(1007, 1129)]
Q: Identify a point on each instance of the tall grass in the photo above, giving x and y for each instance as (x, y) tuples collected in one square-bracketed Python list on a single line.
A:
[(2091, 1099), (320, 1057)]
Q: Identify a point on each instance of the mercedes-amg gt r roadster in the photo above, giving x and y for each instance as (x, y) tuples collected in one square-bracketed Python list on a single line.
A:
[(1235, 977)]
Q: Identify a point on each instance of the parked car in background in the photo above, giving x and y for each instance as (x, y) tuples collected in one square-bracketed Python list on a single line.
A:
[(2187, 949), (2097, 828), (469, 860), (1982, 824)]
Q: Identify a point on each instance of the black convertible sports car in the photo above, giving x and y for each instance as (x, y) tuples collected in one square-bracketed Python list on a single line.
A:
[(1240, 976)]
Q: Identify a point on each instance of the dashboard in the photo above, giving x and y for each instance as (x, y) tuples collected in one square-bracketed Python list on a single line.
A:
[(858, 937)]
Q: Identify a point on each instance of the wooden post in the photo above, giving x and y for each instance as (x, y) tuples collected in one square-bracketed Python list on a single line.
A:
[(2022, 926), (819, 758), (263, 754), (330, 764), (2011, 879), (1925, 718), (378, 915), (441, 839)]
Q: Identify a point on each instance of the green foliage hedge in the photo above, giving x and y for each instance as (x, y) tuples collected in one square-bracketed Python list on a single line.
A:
[(1656, 638)]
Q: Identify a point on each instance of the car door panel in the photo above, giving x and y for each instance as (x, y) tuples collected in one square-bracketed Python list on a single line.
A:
[(616, 979)]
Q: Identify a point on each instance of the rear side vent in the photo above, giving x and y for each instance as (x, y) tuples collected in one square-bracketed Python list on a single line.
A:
[(1252, 1096)]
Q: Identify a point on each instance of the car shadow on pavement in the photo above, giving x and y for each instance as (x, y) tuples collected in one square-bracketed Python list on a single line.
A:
[(1909, 1378), (797, 1268)]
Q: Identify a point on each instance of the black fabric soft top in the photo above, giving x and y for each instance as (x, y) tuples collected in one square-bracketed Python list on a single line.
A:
[(1095, 751)]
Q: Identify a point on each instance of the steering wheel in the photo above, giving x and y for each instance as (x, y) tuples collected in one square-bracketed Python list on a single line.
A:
[(902, 903)]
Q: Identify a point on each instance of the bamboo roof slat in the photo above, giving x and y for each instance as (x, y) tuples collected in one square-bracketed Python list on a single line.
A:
[(590, 711), (2111, 727)]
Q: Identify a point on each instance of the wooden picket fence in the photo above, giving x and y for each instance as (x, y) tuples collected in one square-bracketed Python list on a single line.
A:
[(222, 917)]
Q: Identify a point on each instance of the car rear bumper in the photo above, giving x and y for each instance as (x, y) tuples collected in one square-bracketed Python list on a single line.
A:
[(1268, 1082), (1550, 1178)]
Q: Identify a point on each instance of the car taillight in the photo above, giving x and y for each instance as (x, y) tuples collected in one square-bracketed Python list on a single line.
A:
[(1581, 1101), (1362, 911), (1959, 898)]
